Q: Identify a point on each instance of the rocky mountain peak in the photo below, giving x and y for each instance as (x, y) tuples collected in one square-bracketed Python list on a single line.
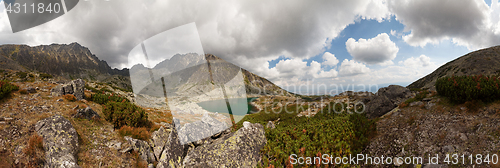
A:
[(57, 59)]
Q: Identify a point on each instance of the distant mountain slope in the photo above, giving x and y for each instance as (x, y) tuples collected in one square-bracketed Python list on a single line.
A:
[(484, 62), (57, 59), (76, 61), (189, 74)]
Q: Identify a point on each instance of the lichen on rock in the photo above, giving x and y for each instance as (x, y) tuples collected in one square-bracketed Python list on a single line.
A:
[(60, 141), (240, 149)]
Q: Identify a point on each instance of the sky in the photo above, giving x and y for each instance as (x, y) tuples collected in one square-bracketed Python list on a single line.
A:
[(307, 47)]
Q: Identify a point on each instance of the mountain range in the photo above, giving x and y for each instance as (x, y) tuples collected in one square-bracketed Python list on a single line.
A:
[(76, 61)]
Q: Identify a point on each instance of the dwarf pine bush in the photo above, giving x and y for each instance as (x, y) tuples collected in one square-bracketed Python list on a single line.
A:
[(468, 88), (335, 134), (6, 88), (125, 113), (105, 98), (121, 112)]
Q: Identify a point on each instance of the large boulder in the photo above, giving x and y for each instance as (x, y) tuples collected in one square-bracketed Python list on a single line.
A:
[(86, 113), (378, 106), (202, 129), (395, 93), (173, 152), (158, 140), (240, 149), (75, 87), (78, 88), (57, 90), (143, 148), (60, 141)]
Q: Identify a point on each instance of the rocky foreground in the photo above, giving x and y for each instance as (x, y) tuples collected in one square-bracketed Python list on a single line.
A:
[(74, 135)]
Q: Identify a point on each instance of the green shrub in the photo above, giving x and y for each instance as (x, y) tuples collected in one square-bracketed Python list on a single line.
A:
[(104, 90), (45, 76), (125, 113), (263, 117), (22, 74), (416, 89), (105, 98), (6, 88), (91, 89), (118, 88), (120, 111), (336, 134), (469, 88)]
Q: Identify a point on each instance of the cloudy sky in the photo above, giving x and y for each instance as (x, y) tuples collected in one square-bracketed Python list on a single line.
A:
[(313, 44)]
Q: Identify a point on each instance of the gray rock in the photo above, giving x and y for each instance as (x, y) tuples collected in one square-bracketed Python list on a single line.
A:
[(114, 144), (395, 93), (127, 149), (434, 166), (429, 105), (398, 162), (200, 130), (426, 99), (60, 141), (271, 125), (240, 149), (78, 88), (378, 106), (57, 91), (448, 149), (75, 87), (417, 103), (194, 131), (68, 89), (31, 90), (142, 147), (174, 151), (86, 113), (463, 137), (158, 140), (6, 119), (215, 125)]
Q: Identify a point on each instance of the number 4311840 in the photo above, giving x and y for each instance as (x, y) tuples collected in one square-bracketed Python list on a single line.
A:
[(478, 159), (32, 8)]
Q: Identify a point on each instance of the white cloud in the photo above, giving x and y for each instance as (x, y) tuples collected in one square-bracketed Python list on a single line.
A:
[(393, 32), (351, 68), (316, 72), (421, 61), (327, 74), (296, 68), (291, 67), (377, 50), (296, 29), (375, 9), (469, 23), (330, 59)]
